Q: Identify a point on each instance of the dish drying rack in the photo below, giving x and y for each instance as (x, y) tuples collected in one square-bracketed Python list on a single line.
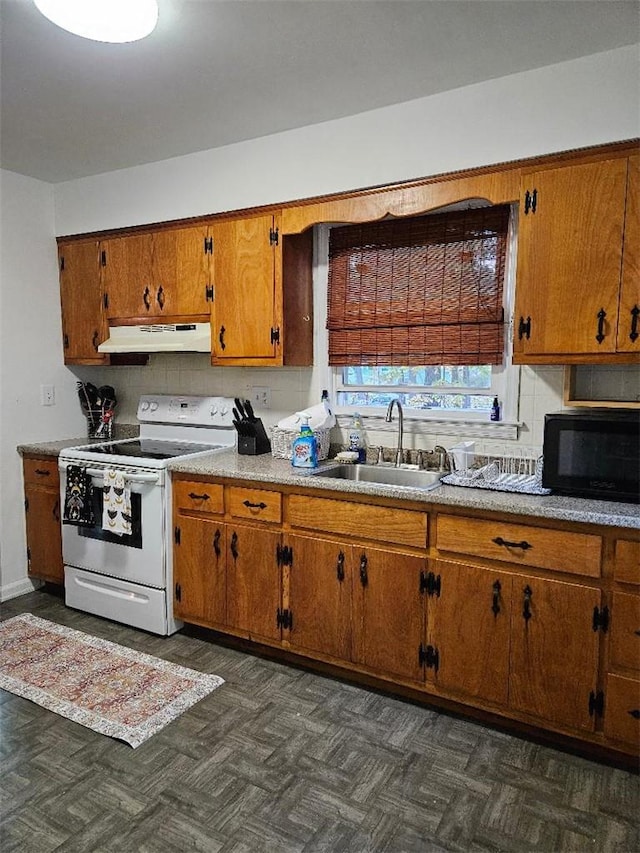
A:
[(510, 470)]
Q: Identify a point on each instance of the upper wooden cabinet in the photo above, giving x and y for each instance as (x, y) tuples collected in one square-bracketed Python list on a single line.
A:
[(263, 306), (83, 321), (629, 316), (573, 221), (158, 275)]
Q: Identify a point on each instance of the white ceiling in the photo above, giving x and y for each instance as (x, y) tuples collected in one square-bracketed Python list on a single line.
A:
[(220, 71)]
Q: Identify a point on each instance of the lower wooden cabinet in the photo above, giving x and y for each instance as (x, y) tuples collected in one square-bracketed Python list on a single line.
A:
[(310, 575), (42, 513)]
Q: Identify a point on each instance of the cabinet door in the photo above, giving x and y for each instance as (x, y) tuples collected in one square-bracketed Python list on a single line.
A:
[(244, 306), (629, 318), (554, 650), (622, 710), (468, 622), (388, 612), (127, 277), (320, 578), (569, 258), (624, 639), (199, 571), (83, 320), (44, 537), (253, 581), (181, 272)]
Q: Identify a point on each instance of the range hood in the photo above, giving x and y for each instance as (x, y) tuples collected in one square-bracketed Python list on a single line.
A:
[(167, 337)]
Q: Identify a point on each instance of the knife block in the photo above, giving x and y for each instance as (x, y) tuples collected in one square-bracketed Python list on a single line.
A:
[(252, 438)]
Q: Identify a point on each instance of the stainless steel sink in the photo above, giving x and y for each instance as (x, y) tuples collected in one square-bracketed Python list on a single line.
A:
[(413, 478)]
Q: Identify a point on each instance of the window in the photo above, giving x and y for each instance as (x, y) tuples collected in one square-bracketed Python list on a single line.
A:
[(416, 310)]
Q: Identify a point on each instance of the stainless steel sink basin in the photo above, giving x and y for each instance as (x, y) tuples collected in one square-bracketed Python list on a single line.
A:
[(413, 478)]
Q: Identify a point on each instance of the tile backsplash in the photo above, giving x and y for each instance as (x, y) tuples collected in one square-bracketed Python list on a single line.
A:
[(293, 389)]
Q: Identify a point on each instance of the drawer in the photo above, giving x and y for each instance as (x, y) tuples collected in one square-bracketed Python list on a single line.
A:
[(257, 504), (198, 497), (576, 553), (627, 563), (622, 710), (41, 471), (624, 648), (383, 524)]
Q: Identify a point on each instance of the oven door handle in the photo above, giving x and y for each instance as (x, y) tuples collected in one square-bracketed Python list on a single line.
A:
[(129, 477)]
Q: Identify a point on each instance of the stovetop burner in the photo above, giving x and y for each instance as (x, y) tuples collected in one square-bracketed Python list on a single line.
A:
[(152, 448)]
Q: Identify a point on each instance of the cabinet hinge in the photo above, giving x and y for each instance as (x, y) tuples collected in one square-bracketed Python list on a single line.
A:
[(596, 703), (600, 619), (178, 592), (429, 657), (208, 245), (103, 258), (105, 300), (273, 236), (284, 555), (65, 341), (208, 292), (29, 554), (430, 583), (176, 535), (26, 504), (284, 618), (530, 202), (275, 335), (61, 262)]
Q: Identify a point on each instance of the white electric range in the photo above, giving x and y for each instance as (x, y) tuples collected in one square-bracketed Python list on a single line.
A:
[(129, 577)]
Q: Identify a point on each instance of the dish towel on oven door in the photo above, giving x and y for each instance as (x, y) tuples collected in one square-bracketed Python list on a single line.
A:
[(116, 513), (78, 498)]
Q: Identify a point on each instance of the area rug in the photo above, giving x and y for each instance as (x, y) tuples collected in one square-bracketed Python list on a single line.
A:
[(107, 687)]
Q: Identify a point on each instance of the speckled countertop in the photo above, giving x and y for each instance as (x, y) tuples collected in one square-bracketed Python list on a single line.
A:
[(266, 469), (53, 448)]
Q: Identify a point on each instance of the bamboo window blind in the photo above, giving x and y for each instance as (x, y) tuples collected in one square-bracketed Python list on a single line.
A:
[(419, 290)]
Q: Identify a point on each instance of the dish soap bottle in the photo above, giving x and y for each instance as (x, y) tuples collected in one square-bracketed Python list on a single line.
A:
[(304, 453), (357, 441), (495, 410)]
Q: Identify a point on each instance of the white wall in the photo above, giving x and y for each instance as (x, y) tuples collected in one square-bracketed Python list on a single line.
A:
[(570, 105), (30, 355)]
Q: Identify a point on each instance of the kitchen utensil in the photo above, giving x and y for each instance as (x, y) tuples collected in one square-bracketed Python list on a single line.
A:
[(249, 410), (240, 408)]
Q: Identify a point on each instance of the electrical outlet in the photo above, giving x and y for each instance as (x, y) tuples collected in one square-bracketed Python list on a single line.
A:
[(47, 395), (260, 397)]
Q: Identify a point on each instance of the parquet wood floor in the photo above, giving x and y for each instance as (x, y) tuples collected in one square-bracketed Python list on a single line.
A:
[(279, 760)]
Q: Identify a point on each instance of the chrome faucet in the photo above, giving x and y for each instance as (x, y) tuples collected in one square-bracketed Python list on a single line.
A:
[(443, 458), (400, 450)]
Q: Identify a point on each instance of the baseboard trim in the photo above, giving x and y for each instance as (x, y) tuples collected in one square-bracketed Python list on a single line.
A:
[(18, 588)]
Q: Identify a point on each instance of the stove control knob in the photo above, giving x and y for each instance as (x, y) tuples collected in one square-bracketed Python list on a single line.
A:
[(144, 405), (214, 411), (153, 406), (224, 410)]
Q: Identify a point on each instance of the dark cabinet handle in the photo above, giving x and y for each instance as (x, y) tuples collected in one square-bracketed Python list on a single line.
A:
[(633, 334), (160, 297), (254, 506), (146, 298), (601, 318), (216, 543), (530, 202), (364, 578), (635, 713), (41, 472), (526, 607), (56, 510), (221, 337), (95, 340), (524, 328), (340, 567), (65, 341), (506, 544), (195, 497), (495, 607), (234, 546)]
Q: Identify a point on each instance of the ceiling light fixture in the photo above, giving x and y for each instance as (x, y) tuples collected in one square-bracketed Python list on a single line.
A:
[(112, 21)]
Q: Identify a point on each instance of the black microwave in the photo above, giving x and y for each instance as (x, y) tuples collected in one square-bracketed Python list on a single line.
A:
[(593, 454)]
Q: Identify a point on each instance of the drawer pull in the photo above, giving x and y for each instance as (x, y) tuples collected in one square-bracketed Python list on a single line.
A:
[(526, 607), (637, 633), (42, 472), (635, 713), (254, 506), (195, 497), (56, 510), (506, 544), (340, 567), (495, 607), (216, 543)]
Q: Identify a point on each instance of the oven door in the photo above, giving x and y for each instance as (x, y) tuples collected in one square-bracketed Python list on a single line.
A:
[(139, 557)]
